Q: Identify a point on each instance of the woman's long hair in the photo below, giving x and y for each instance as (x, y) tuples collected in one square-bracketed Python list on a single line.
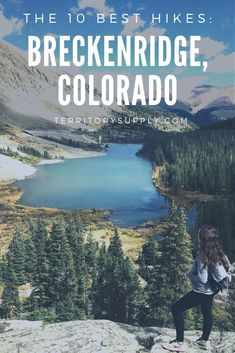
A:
[(211, 249)]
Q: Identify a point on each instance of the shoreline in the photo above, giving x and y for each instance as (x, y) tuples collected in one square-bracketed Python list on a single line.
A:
[(49, 161), (186, 198), (11, 169)]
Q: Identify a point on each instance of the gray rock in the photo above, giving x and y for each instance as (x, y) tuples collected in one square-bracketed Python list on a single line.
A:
[(97, 336)]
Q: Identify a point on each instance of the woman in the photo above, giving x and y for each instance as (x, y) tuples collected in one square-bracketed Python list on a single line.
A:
[(211, 264)]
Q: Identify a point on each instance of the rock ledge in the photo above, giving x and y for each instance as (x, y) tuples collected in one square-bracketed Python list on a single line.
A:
[(97, 336)]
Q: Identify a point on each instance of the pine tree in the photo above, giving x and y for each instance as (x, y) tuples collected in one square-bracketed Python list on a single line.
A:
[(65, 308), (30, 252), (2, 268), (116, 287), (143, 268), (10, 306), (150, 252), (147, 259), (40, 276), (98, 295), (17, 250), (74, 234), (132, 294), (62, 289), (169, 280), (90, 252), (101, 258), (115, 247)]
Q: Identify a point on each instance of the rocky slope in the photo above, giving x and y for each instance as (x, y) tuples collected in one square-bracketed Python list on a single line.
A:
[(28, 95), (95, 336)]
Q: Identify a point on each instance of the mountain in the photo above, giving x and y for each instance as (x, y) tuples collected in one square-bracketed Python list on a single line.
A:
[(205, 105), (101, 336), (211, 104), (207, 97), (28, 95)]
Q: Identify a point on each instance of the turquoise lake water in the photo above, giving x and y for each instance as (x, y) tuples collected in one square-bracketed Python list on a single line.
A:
[(119, 181)]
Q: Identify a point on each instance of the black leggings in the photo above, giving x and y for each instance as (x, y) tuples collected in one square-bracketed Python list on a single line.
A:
[(188, 301)]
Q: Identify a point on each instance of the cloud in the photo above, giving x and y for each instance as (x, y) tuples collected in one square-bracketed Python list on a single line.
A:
[(210, 47), (99, 6), (56, 36), (9, 26), (222, 63), (16, 2), (74, 10), (137, 26), (133, 25), (152, 31), (141, 8)]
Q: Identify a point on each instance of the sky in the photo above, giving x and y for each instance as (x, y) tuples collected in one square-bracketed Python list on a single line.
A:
[(218, 38)]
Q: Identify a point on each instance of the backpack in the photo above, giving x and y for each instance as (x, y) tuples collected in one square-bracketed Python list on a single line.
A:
[(217, 287)]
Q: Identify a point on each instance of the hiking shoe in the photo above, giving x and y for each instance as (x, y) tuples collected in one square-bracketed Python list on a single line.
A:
[(203, 344), (174, 346)]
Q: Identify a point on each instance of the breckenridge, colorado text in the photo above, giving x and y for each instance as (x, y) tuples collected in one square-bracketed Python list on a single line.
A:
[(116, 51)]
